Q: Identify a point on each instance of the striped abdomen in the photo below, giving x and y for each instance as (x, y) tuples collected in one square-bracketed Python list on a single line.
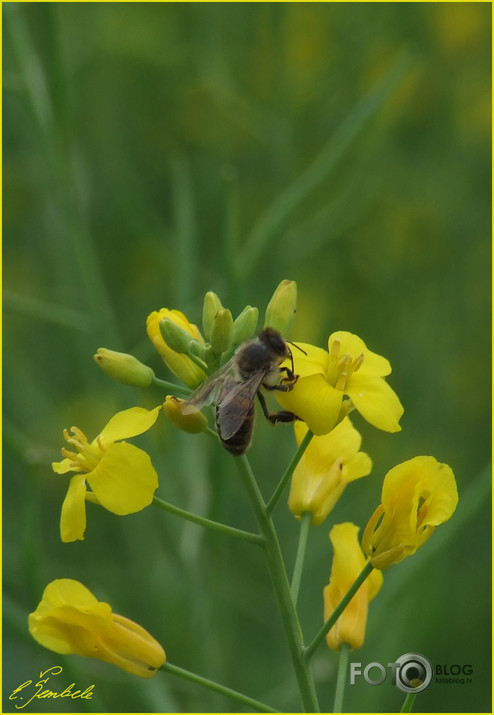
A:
[(238, 443)]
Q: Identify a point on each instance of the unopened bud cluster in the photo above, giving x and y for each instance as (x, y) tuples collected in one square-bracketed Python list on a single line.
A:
[(221, 334), (192, 355)]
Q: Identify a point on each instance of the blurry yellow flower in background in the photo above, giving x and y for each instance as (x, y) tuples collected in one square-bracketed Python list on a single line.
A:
[(347, 368), (69, 619), (121, 476), (180, 364), (328, 464), (348, 562), (417, 496)]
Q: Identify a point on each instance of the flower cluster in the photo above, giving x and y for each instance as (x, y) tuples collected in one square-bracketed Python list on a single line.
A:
[(318, 389)]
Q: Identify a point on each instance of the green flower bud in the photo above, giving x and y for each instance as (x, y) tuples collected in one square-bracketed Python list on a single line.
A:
[(211, 306), (175, 336), (124, 368), (210, 358), (193, 423), (245, 325), (282, 306), (197, 349), (222, 331)]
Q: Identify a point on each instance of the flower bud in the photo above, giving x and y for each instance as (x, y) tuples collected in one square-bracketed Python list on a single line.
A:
[(175, 336), (181, 365), (282, 306), (193, 422), (211, 306), (245, 325), (124, 368), (222, 332), (197, 349)]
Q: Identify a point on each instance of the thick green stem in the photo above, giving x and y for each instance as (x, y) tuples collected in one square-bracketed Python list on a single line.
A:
[(338, 610), (289, 471), (208, 523), (282, 588), (299, 559), (216, 687), (341, 677)]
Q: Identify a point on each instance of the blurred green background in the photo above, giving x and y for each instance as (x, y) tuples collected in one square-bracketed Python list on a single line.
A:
[(156, 151)]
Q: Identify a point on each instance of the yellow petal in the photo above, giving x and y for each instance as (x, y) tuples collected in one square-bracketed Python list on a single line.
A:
[(66, 465), (73, 515), (128, 423), (439, 490), (313, 401), (311, 361), (360, 465), (61, 620), (351, 344), (124, 481), (376, 401), (132, 648), (374, 582)]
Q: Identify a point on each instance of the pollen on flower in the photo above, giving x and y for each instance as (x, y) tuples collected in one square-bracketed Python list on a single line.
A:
[(86, 459)]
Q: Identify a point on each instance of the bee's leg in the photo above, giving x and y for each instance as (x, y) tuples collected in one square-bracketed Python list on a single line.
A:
[(274, 417), (290, 378), (285, 385)]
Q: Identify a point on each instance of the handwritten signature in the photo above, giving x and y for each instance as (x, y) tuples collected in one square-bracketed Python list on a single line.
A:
[(42, 692)]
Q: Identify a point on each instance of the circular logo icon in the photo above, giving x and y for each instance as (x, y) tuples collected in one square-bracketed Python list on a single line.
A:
[(414, 673)]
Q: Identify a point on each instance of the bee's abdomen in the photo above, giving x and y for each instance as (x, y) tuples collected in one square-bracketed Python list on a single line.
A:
[(238, 443)]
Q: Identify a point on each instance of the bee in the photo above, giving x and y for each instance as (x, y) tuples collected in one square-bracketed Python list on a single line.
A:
[(234, 386)]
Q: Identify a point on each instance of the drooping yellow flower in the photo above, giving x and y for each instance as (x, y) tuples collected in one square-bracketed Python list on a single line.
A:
[(121, 476), (328, 464), (348, 562), (69, 619), (417, 496), (180, 364), (347, 368), (193, 423)]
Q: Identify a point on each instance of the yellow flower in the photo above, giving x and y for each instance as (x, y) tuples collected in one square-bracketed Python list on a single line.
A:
[(121, 476), (417, 496), (348, 562), (328, 464), (347, 368), (69, 619), (180, 364)]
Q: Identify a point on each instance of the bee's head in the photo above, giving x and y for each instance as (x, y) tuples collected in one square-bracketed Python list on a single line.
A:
[(275, 342)]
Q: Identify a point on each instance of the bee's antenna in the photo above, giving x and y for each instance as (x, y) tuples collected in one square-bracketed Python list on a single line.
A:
[(297, 346)]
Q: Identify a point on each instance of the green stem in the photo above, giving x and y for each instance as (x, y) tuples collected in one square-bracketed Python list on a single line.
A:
[(299, 559), (208, 523), (289, 471), (173, 389), (216, 687), (408, 704), (281, 587), (338, 610), (341, 677)]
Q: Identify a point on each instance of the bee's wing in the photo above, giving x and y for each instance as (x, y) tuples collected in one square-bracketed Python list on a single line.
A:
[(235, 402), (208, 391)]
